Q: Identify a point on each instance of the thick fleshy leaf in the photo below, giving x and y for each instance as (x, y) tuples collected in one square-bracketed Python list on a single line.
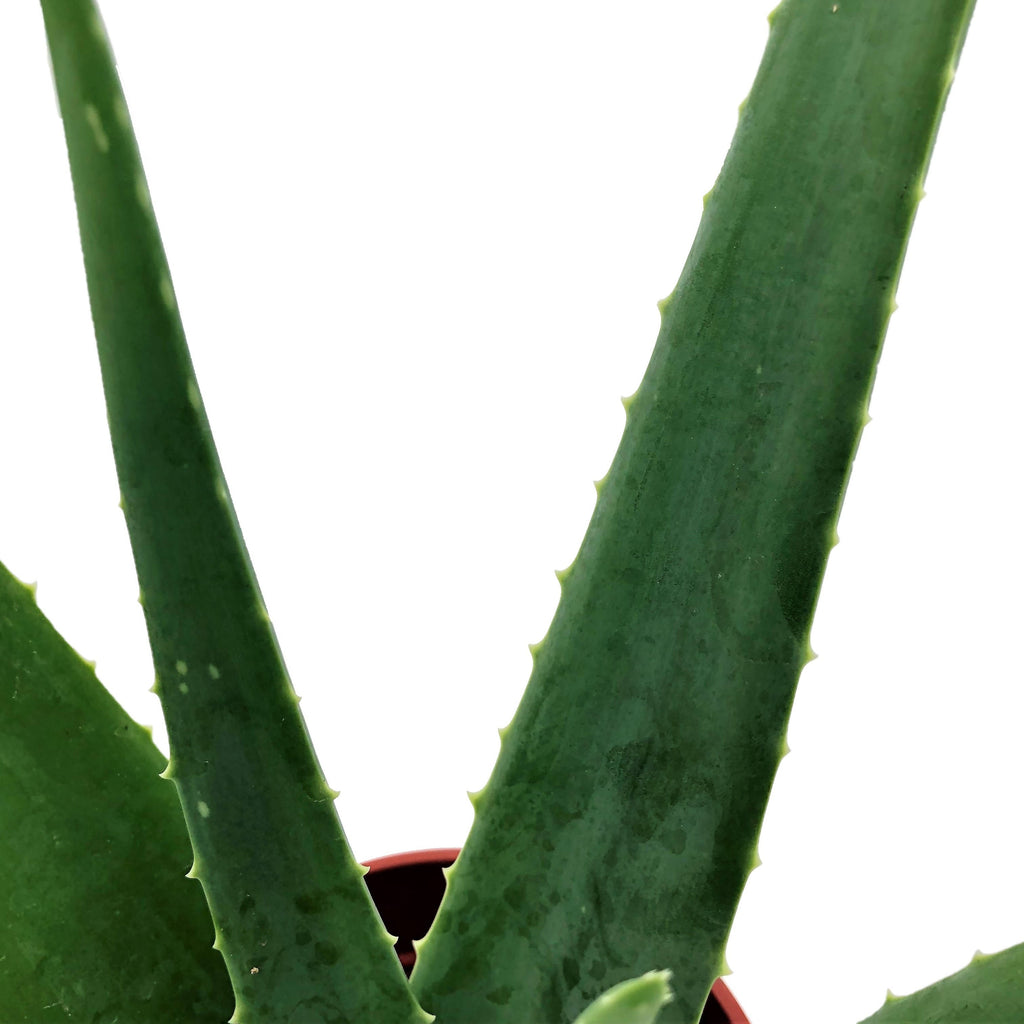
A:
[(293, 919), (637, 1001), (620, 824), (100, 923), (989, 990)]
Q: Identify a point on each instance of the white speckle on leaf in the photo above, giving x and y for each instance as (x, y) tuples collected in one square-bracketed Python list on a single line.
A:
[(204, 809), (254, 970), (181, 667), (142, 193), (214, 671), (92, 115), (193, 395), (182, 687), (167, 292), (97, 27), (121, 113)]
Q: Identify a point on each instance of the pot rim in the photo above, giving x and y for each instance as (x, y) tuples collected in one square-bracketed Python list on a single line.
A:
[(446, 855)]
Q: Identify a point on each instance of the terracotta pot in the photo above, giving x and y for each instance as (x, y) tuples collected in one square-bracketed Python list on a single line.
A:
[(407, 889)]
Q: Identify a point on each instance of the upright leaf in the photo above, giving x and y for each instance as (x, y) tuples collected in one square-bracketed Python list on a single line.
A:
[(294, 921), (621, 820), (637, 1001)]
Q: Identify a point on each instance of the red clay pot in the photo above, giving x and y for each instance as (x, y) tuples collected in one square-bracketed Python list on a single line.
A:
[(407, 889)]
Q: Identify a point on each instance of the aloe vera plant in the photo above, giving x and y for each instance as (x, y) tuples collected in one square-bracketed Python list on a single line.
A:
[(311, 978)]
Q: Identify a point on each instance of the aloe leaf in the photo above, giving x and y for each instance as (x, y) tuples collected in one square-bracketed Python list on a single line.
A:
[(100, 923), (989, 990), (293, 919), (621, 819), (637, 1001)]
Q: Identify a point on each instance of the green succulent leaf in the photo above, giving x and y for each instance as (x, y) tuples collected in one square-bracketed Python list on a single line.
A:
[(100, 923), (620, 823), (989, 990), (637, 1001), (293, 918)]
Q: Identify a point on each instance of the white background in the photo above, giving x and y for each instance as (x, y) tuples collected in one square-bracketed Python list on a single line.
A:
[(418, 248)]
